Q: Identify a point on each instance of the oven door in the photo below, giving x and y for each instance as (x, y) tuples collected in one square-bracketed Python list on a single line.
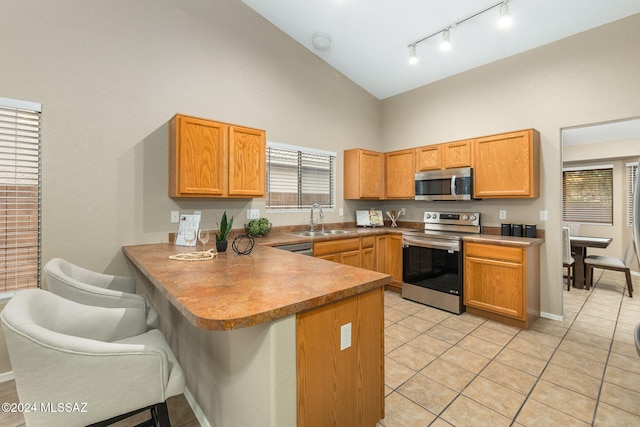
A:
[(432, 273)]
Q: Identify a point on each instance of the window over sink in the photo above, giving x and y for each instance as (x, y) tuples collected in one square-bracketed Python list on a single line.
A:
[(298, 177)]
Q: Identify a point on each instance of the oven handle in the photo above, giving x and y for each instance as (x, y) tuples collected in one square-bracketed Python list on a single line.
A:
[(431, 243)]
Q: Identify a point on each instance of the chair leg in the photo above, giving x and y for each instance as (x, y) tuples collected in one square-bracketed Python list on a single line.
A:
[(589, 279), (160, 415), (627, 274)]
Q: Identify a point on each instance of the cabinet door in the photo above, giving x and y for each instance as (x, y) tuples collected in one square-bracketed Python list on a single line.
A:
[(399, 178), (507, 165), (330, 257), (381, 254), (368, 252), (196, 157), (457, 154), (495, 281), (394, 258), (429, 158), (351, 258), (247, 162), (363, 170)]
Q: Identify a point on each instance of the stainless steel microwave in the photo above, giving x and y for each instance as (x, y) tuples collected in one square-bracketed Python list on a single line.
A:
[(446, 184)]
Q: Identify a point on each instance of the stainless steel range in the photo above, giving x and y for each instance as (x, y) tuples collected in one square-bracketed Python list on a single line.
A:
[(432, 259)]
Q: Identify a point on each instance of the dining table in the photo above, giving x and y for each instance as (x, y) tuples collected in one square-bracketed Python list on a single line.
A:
[(579, 245)]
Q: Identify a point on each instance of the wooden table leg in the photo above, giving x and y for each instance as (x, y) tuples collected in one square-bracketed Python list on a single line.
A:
[(578, 268)]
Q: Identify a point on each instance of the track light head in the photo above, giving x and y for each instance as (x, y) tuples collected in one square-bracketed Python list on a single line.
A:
[(445, 45), (413, 57), (505, 19)]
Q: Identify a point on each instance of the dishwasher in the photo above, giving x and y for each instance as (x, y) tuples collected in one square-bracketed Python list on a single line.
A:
[(305, 248)]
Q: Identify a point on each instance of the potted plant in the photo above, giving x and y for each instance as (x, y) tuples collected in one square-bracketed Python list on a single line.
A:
[(223, 231)]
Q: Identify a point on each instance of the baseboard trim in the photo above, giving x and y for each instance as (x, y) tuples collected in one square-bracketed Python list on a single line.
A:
[(196, 409), (6, 376), (552, 316)]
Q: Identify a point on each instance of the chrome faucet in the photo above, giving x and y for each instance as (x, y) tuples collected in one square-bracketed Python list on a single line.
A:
[(312, 225)]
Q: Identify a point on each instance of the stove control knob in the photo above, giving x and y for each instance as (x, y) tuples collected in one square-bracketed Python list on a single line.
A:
[(435, 216), (428, 216), (465, 217), (473, 218)]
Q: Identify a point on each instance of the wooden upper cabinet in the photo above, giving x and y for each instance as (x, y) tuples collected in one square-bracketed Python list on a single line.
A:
[(457, 154), (213, 159), (429, 158), (247, 162), (507, 165), (399, 176), (363, 171)]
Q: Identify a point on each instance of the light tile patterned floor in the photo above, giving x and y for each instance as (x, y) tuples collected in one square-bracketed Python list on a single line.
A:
[(444, 370), (448, 370)]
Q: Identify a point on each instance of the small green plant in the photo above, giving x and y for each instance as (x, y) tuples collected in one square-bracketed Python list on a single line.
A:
[(224, 228)]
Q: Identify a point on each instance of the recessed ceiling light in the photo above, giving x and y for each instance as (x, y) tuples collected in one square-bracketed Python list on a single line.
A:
[(321, 41)]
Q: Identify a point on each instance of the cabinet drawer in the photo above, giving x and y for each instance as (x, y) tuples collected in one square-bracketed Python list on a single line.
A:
[(335, 246), (498, 252), (368, 241)]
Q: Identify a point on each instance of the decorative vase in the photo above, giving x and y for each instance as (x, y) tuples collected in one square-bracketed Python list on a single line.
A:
[(221, 245)]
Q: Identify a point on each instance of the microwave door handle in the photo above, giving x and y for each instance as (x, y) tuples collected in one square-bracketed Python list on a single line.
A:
[(453, 185)]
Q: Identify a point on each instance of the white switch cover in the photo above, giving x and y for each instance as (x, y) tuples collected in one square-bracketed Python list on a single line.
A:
[(544, 215), (503, 214), (253, 213), (345, 336), (340, 212), (403, 210), (175, 216)]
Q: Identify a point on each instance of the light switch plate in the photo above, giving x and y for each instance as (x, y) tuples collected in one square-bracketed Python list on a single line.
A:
[(175, 216), (503, 214), (544, 215), (253, 213)]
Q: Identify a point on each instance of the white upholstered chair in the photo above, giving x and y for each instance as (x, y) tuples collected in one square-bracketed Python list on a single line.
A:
[(102, 359), (611, 263), (90, 288), (568, 261)]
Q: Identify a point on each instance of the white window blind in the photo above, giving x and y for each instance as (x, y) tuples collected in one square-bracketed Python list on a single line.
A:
[(587, 195), (20, 194), (298, 177), (632, 172)]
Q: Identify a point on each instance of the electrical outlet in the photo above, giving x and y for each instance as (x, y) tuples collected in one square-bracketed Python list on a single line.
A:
[(404, 212), (340, 212), (503, 214), (345, 336), (253, 213), (175, 216), (544, 215)]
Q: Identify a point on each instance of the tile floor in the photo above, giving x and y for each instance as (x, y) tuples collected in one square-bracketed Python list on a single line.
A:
[(447, 370)]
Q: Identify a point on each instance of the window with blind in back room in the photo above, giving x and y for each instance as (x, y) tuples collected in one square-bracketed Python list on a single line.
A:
[(20, 194), (298, 177), (587, 195)]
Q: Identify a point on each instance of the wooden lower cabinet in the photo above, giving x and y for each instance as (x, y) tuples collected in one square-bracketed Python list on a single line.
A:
[(344, 251), (341, 387), (502, 282), (368, 253), (389, 258)]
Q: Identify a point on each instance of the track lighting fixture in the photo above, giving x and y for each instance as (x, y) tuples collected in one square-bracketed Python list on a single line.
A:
[(505, 19), (503, 22), (413, 58), (445, 45)]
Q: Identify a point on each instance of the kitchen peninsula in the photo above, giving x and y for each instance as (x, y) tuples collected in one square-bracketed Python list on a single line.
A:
[(259, 336)]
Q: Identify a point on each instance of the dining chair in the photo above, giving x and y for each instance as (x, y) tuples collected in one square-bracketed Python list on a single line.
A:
[(87, 287), (636, 338), (611, 263), (568, 261), (100, 363)]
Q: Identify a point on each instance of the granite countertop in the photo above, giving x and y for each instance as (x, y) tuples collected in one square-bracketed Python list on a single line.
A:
[(503, 240), (236, 291)]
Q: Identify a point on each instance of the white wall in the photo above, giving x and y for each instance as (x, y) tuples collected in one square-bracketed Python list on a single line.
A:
[(590, 77)]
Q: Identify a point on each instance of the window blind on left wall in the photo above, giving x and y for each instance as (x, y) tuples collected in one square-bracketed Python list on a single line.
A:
[(20, 194)]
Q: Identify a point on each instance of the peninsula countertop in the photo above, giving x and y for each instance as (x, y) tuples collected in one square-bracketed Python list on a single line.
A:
[(236, 291)]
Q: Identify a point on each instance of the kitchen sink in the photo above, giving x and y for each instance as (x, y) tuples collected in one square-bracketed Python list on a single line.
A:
[(320, 233)]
